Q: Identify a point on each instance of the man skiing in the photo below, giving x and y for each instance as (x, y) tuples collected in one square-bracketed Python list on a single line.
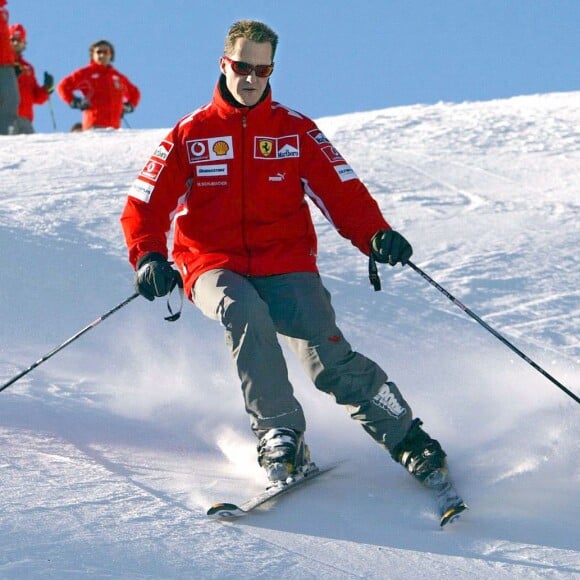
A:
[(234, 175)]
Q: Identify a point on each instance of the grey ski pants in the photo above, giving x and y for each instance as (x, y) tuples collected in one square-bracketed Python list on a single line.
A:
[(254, 310)]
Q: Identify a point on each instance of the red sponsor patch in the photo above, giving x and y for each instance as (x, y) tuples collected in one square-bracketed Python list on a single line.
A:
[(152, 170), (318, 136), (198, 150), (332, 154), (334, 338), (163, 150), (288, 146)]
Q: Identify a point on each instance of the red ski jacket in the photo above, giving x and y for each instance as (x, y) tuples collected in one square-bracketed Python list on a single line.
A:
[(6, 50), (31, 93), (106, 90), (235, 180)]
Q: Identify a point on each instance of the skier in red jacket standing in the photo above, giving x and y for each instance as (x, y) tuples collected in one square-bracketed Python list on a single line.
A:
[(107, 94), (234, 176), (8, 86), (31, 93)]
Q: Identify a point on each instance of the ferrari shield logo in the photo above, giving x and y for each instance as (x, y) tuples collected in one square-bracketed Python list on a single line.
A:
[(266, 147)]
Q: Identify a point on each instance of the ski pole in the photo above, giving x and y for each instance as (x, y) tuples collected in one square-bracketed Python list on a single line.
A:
[(493, 331), (52, 113), (68, 341)]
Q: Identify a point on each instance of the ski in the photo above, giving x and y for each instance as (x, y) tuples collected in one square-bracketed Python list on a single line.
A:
[(231, 510), (450, 504)]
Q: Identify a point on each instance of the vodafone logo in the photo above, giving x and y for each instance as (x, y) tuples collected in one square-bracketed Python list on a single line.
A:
[(152, 170), (198, 149), (332, 154)]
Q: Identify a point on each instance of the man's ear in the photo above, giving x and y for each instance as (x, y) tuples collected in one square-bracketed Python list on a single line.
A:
[(222, 65)]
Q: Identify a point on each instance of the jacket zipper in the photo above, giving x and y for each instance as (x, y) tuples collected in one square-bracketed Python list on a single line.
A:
[(243, 194)]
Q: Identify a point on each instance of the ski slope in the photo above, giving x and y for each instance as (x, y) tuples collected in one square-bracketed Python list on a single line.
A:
[(111, 451)]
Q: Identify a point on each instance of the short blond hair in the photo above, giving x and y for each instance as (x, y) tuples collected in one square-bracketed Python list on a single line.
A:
[(250, 30)]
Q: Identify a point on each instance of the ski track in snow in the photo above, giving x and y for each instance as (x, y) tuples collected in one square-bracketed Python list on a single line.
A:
[(111, 452)]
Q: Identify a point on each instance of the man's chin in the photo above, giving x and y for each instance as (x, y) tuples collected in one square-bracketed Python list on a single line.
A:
[(248, 100)]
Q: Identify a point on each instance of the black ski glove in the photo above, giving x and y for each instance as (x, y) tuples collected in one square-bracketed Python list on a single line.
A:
[(48, 83), (128, 108), (390, 247), (155, 276), (78, 103)]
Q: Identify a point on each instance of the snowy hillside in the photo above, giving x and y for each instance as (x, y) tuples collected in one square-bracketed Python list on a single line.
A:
[(111, 451)]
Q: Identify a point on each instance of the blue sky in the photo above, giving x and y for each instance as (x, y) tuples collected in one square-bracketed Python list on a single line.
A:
[(334, 57)]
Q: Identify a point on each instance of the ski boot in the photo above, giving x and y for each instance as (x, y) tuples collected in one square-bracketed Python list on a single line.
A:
[(423, 457), (283, 453)]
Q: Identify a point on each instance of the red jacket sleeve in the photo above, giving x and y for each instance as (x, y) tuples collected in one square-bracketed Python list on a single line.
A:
[(39, 93), (332, 184), (154, 199), (31, 93), (6, 51), (69, 84), (132, 93)]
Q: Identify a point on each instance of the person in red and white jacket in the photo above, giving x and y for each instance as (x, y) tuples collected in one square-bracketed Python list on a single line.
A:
[(9, 97), (106, 94), (234, 177), (31, 93)]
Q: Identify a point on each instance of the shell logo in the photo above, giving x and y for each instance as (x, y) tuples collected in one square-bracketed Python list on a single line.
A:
[(220, 148)]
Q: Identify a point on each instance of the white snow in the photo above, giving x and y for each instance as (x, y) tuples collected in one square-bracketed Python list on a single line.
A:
[(112, 450)]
